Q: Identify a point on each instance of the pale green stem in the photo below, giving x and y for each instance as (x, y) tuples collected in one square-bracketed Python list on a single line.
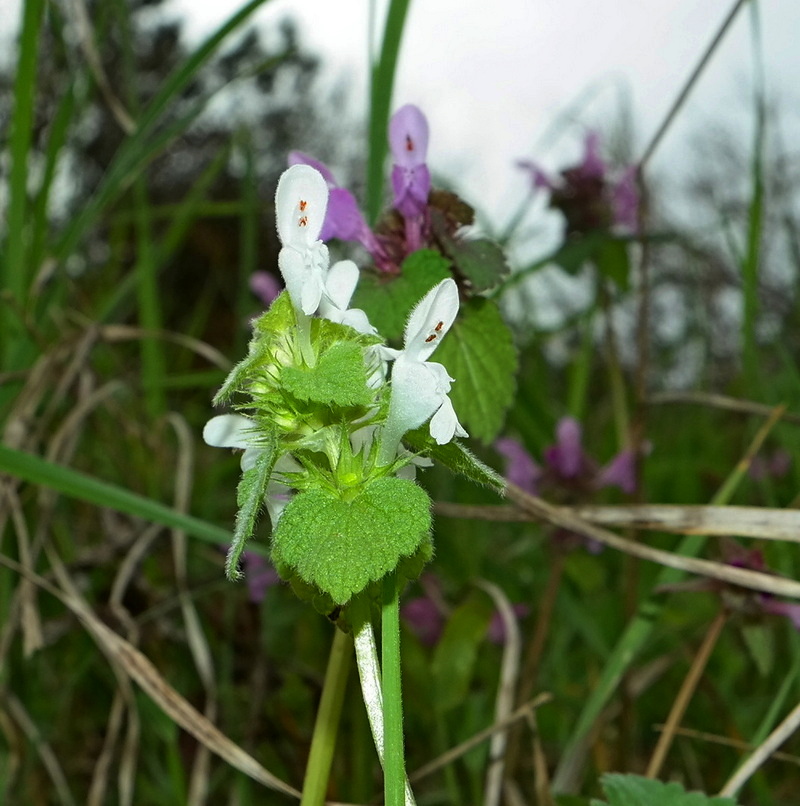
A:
[(394, 767), (370, 677), (323, 742), (304, 337)]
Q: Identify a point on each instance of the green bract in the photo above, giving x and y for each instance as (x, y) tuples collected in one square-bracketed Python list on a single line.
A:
[(342, 545)]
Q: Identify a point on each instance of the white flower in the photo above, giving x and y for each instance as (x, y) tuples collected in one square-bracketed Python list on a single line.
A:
[(301, 200), (420, 387), (340, 284), (237, 431)]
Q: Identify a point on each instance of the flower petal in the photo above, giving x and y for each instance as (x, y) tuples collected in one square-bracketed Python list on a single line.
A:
[(620, 472), (444, 424), (431, 319), (344, 219), (592, 166), (520, 467), (567, 457), (301, 158), (341, 282), (301, 200), (229, 431), (408, 136)]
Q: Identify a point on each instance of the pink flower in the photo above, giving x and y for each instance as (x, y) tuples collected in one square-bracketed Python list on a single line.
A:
[(520, 467), (259, 575), (587, 195), (566, 465), (411, 180)]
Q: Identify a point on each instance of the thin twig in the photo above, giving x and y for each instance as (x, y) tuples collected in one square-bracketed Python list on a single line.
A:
[(755, 580), (690, 82), (504, 702), (456, 752), (727, 741), (717, 401), (756, 522), (762, 753), (685, 694)]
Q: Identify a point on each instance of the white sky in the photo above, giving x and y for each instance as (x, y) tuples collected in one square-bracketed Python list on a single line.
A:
[(493, 80)]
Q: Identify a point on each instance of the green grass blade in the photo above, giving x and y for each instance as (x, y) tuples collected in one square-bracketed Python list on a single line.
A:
[(383, 73), (17, 269), (74, 484), (138, 149)]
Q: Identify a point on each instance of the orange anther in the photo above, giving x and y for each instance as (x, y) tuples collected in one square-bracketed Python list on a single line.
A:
[(439, 326), (430, 338), (303, 205), (304, 221)]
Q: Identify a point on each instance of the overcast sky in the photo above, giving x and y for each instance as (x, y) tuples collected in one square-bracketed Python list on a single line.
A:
[(493, 81)]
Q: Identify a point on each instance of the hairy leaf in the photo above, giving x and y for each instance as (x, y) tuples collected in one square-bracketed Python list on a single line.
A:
[(340, 546), (389, 302)]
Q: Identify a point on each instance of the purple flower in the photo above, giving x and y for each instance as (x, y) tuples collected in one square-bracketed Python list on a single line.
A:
[(568, 471), (753, 559), (776, 465), (620, 472), (592, 166), (411, 180), (566, 457), (520, 467), (259, 575), (587, 195), (625, 201), (424, 619)]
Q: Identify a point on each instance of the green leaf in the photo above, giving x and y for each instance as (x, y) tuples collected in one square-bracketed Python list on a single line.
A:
[(481, 262), (455, 456), (250, 499), (339, 378), (479, 353), (611, 258), (634, 790), (760, 642), (342, 545), (74, 484), (388, 302), (269, 329), (457, 651)]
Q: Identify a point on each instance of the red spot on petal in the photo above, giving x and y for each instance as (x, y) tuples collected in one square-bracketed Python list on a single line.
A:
[(409, 143)]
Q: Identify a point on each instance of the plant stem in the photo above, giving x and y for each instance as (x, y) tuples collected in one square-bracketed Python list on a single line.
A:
[(323, 742), (370, 677), (685, 694), (380, 102), (394, 759)]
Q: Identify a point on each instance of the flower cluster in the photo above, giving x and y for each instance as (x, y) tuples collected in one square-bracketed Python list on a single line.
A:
[(587, 195), (327, 403), (568, 474), (419, 217)]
